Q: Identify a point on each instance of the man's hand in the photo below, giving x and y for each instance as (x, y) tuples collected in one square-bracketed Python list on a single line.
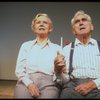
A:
[(60, 63), (85, 88), (33, 89)]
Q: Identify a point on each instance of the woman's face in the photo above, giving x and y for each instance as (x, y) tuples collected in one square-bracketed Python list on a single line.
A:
[(42, 26)]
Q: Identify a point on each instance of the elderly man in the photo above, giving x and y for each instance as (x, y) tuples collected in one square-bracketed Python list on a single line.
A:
[(82, 61)]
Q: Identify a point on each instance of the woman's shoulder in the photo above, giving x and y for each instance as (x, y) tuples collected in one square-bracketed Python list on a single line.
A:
[(28, 43)]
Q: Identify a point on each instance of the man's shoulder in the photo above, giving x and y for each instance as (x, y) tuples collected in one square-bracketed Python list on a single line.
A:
[(95, 41), (67, 48), (68, 45)]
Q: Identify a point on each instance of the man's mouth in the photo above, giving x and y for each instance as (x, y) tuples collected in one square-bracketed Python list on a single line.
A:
[(82, 28)]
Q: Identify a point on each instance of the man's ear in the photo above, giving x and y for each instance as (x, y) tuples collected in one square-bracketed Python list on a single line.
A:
[(73, 31), (50, 30)]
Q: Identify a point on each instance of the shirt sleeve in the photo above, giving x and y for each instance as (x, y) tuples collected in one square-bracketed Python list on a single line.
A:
[(66, 52), (97, 82), (21, 65)]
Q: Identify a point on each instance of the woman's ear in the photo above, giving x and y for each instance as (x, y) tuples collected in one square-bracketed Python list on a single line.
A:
[(32, 27), (92, 27)]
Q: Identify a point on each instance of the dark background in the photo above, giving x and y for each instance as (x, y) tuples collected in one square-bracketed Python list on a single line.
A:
[(15, 27)]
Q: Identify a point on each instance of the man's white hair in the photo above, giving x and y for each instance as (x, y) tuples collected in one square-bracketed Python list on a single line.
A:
[(80, 12)]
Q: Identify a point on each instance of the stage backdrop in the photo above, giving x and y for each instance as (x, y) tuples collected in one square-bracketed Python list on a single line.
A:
[(15, 27)]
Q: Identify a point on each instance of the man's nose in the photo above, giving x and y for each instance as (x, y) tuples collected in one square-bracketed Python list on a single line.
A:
[(81, 23), (41, 23)]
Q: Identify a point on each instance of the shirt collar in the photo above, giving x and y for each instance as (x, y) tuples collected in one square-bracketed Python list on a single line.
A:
[(47, 44), (91, 41)]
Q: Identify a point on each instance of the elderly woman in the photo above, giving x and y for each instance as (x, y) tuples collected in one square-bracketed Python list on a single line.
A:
[(35, 63)]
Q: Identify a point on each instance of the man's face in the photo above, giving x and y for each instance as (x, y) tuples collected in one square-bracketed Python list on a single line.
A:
[(42, 26), (82, 25)]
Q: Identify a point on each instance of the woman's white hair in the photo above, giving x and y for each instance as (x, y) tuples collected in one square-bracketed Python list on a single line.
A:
[(81, 12)]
